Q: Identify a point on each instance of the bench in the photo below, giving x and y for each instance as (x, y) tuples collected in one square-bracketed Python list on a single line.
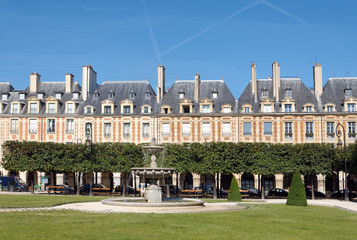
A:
[(101, 191), (55, 189), (244, 193)]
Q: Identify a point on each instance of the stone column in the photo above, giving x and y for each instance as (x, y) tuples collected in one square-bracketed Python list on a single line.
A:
[(99, 177), (341, 180), (279, 181), (238, 178), (256, 181), (321, 186), (196, 180), (117, 179), (23, 176), (60, 178)]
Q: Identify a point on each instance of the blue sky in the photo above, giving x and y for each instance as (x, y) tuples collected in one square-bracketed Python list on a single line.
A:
[(127, 40)]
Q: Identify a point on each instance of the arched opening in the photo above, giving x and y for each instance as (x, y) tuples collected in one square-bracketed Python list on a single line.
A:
[(247, 180), (14, 173), (287, 180), (226, 181), (188, 181), (269, 183)]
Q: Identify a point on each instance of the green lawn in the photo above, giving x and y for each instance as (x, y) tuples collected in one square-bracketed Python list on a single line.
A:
[(257, 222), (16, 201)]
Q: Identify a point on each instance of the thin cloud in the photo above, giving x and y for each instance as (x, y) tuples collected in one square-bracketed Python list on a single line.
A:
[(211, 27), (285, 12), (152, 35)]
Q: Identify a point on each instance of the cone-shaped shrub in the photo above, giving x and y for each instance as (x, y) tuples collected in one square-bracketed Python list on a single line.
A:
[(234, 193), (297, 194)]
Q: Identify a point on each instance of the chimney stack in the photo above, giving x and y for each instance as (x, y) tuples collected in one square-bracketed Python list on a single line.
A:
[(254, 81), (89, 81), (161, 82), (197, 87), (276, 80), (318, 79), (69, 82), (34, 82)]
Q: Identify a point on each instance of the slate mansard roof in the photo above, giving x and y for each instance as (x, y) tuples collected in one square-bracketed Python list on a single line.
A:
[(299, 93), (207, 87), (121, 91), (334, 91)]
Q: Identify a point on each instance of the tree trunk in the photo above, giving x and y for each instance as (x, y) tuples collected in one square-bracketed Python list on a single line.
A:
[(124, 185), (262, 186), (32, 183), (111, 180), (78, 183), (312, 189)]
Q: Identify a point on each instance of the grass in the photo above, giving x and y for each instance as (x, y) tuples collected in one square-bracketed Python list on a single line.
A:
[(18, 201), (257, 222)]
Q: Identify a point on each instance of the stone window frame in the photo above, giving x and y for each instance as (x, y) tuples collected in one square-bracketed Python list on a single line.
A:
[(143, 109), (107, 103), (37, 102), (224, 106), (288, 101), (169, 109), (126, 103), (226, 134), (267, 101), (208, 102), (304, 107), (88, 106), (166, 134), (186, 133), (12, 107), (186, 102), (349, 100), (148, 127), (68, 130), (53, 129), (329, 105), (17, 126), (106, 134), (74, 107), (52, 100), (246, 105)]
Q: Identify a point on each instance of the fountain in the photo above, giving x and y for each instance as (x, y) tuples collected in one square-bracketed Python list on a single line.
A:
[(153, 194)]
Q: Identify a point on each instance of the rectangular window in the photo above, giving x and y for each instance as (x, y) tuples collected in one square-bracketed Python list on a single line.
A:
[(107, 130), (58, 95), (69, 126), (70, 108), (186, 129), (205, 109), (89, 110), (226, 109), (146, 109), (247, 128), (181, 95), (206, 129), (287, 107), (351, 129), (264, 93), (51, 126), (308, 108), (126, 130), (33, 107), (329, 108), (246, 110), (75, 95), (348, 92), (309, 131), (146, 130), (330, 129), (288, 93), (107, 109), (14, 126), (288, 130), (350, 107), (22, 96), (226, 129), (166, 129), (267, 108), (126, 109), (40, 96), (267, 128), (51, 108), (15, 108), (33, 126)]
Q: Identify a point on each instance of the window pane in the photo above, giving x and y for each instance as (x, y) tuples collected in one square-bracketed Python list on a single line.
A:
[(107, 130), (14, 126), (206, 129), (247, 128), (70, 108), (226, 129), (146, 130), (126, 130), (267, 128), (51, 126), (69, 126), (186, 129), (166, 129), (33, 126)]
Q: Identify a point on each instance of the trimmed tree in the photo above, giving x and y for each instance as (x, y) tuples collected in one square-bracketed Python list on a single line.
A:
[(297, 194), (234, 193)]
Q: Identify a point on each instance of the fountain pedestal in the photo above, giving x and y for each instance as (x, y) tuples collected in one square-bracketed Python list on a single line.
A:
[(153, 194)]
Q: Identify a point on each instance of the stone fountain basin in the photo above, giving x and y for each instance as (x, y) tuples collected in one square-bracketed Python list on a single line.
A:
[(140, 202)]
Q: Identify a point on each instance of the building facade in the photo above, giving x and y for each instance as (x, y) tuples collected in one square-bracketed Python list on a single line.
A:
[(276, 110)]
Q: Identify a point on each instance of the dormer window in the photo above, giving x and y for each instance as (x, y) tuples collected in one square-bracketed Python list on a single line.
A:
[(4, 97), (22, 96), (51, 107), (126, 109), (264, 93), (288, 108), (226, 108), (111, 95), (107, 109), (89, 110), (58, 95), (351, 107), (205, 109), (267, 108), (96, 95), (75, 95), (146, 110), (329, 108), (214, 94), (33, 107), (15, 108), (308, 108), (147, 94), (288, 93), (348, 92), (132, 94), (70, 108), (181, 95), (40, 96)]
